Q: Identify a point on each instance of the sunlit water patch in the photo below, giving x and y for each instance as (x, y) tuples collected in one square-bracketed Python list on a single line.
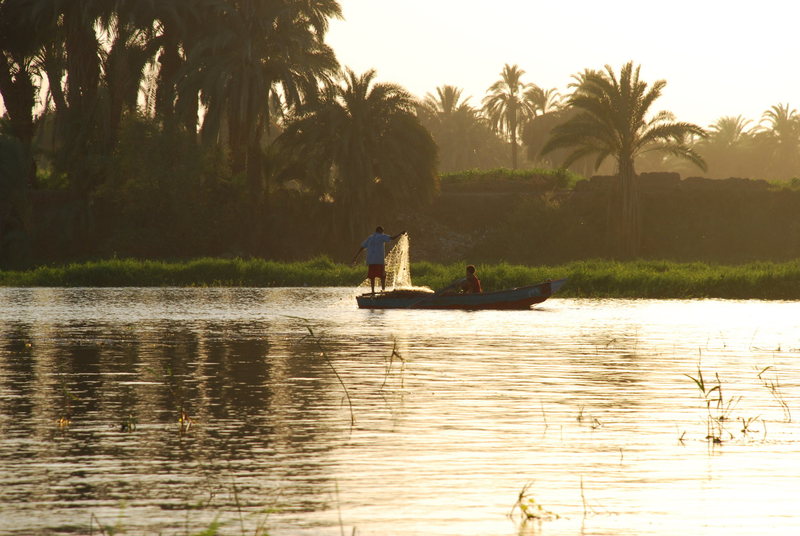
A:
[(292, 411)]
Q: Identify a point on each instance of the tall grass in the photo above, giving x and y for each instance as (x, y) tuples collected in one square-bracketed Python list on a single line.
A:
[(320, 271), (591, 279)]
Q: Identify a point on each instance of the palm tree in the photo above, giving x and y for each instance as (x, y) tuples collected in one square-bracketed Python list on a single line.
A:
[(19, 44), (258, 51), (133, 43), (255, 51), (729, 131), (462, 135), (728, 147), (506, 106), (179, 27), (446, 102), (783, 122), (544, 101), (579, 79), (73, 62), (612, 121), (781, 134), (362, 147)]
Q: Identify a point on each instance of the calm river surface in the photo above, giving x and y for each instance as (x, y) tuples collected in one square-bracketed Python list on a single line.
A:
[(450, 415)]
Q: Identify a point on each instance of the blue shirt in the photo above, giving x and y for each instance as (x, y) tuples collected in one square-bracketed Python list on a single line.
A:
[(374, 246)]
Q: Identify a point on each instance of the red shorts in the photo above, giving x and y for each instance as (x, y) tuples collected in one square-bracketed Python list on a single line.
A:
[(376, 270)]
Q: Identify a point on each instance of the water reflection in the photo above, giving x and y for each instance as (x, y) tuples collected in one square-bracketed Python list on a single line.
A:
[(188, 405)]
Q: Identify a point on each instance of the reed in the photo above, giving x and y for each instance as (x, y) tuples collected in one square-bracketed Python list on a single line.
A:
[(718, 409), (96, 526), (586, 279), (774, 387)]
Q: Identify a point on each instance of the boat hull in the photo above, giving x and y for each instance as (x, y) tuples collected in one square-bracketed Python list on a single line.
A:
[(515, 298)]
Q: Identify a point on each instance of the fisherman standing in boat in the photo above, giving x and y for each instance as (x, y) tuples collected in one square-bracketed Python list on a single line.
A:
[(376, 253)]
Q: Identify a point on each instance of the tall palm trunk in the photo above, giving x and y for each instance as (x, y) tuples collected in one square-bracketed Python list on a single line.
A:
[(170, 64), (628, 228), (79, 131), (19, 96), (256, 196), (83, 62), (512, 122), (514, 148), (53, 66)]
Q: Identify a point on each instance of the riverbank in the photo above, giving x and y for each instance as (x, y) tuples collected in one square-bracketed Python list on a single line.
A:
[(590, 279)]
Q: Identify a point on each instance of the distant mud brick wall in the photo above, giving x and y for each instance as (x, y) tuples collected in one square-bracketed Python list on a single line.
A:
[(731, 220)]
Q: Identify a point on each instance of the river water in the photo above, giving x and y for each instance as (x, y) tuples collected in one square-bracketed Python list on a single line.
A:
[(302, 415)]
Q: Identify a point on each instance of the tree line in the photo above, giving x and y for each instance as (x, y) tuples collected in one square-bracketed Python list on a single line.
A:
[(164, 126), (176, 128)]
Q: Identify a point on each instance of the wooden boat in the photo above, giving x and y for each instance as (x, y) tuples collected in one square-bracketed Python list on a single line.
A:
[(515, 298)]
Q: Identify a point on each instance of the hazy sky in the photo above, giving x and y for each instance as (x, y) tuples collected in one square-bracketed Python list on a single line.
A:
[(718, 57)]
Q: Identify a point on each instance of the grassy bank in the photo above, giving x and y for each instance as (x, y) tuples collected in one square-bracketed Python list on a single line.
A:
[(199, 272), (595, 279)]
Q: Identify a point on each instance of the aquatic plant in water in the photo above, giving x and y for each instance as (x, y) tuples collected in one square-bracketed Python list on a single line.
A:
[(251, 523), (717, 407), (128, 424), (528, 508), (66, 405)]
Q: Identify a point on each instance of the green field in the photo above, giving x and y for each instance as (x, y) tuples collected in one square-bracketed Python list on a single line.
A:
[(590, 279)]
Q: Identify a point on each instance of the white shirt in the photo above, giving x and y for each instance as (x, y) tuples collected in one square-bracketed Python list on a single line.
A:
[(374, 246)]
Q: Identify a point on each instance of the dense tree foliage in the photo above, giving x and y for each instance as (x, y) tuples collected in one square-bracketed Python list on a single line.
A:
[(464, 137), (152, 125), (362, 147)]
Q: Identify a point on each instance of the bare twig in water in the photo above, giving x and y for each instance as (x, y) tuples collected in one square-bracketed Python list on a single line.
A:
[(774, 387), (330, 364), (92, 519), (746, 424), (583, 497), (544, 415), (339, 509), (238, 504), (107, 530), (394, 354), (587, 508)]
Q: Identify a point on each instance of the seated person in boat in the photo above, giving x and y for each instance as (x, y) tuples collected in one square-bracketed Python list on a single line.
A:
[(466, 285), (471, 284)]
